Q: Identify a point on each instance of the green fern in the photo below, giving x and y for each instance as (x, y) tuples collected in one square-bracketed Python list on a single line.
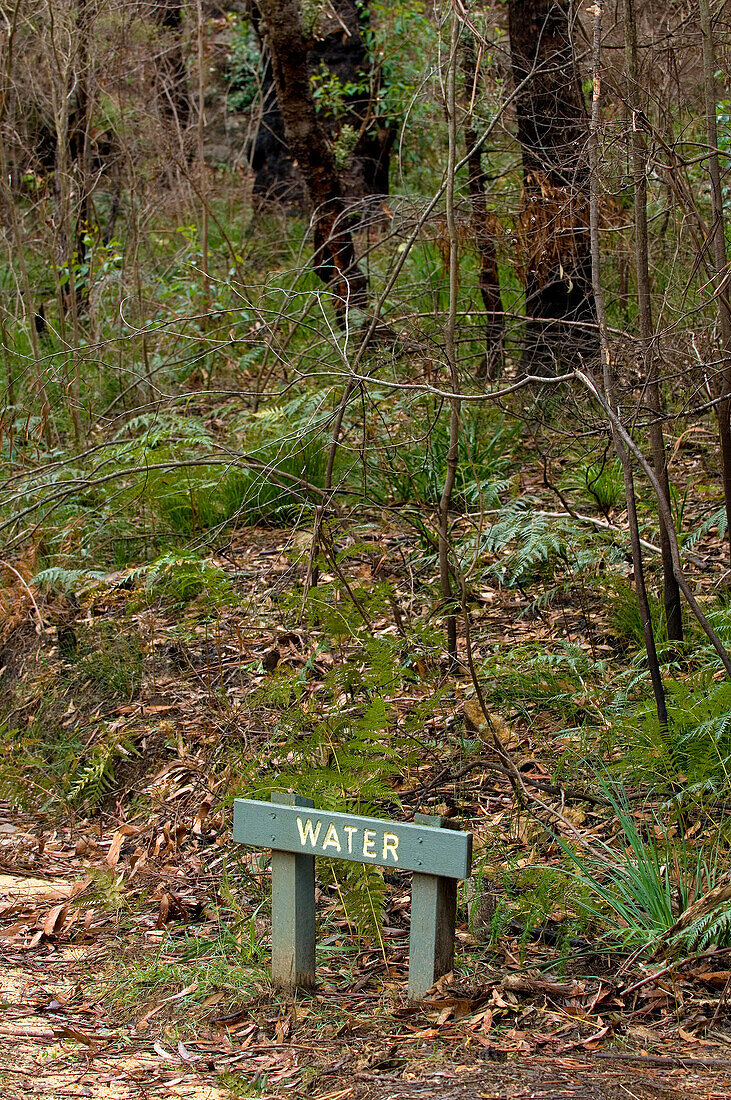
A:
[(345, 745), (363, 894), (59, 579), (93, 778), (181, 576), (691, 756)]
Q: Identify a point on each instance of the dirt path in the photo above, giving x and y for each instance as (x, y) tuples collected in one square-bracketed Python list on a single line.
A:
[(48, 1049)]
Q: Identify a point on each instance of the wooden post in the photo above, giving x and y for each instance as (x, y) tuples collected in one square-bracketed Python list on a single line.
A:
[(433, 915), (293, 912)]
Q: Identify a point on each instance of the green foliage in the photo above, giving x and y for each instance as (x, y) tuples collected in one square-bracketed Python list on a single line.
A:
[(245, 66), (530, 896), (343, 743), (692, 755), (600, 482), (529, 546), (46, 766), (625, 618), (93, 778), (413, 469), (567, 683), (363, 893), (181, 577), (717, 518), (331, 94), (58, 579), (110, 658), (639, 887), (338, 745), (232, 964), (399, 38)]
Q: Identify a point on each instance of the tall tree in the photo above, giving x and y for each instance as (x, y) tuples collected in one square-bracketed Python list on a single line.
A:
[(337, 55), (488, 278), (554, 222), (648, 353), (334, 258)]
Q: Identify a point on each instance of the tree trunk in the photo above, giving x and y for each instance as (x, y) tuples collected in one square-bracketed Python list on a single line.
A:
[(671, 591), (609, 384), (554, 220), (334, 256), (174, 104), (488, 279), (339, 48)]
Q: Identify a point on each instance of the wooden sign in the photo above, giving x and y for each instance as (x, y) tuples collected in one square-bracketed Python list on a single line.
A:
[(394, 844), (297, 832)]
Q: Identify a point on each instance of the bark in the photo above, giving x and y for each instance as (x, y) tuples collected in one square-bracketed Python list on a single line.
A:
[(334, 253), (609, 383), (671, 591), (488, 278), (554, 223), (718, 252), (341, 48)]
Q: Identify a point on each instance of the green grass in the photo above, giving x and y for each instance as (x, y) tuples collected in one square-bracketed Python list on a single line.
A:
[(232, 965)]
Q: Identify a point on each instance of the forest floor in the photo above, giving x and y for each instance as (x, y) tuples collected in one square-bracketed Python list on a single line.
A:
[(133, 937), (58, 1037)]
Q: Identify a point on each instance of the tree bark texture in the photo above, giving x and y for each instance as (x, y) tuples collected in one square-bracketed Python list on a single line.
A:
[(553, 228), (339, 45), (488, 277), (334, 255), (174, 105), (671, 591)]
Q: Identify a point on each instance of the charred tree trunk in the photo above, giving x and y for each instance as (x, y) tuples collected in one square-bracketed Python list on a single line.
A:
[(554, 220), (488, 278), (174, 104), (338, 48), (334, 257)]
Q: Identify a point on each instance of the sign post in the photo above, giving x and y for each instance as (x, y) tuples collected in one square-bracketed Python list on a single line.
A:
[(293, 911), (297, 832), (433, 916)]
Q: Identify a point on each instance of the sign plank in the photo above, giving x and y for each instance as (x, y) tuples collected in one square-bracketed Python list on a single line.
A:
[(420, 848)]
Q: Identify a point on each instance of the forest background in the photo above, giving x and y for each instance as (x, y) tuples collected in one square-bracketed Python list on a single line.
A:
[(365, 432)]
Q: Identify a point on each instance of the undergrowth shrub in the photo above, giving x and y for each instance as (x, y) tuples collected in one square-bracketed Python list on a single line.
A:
[(639, 887), (341, 738), (412, 466), (625, 618), (524, 547), (92, 777), (690, 758), (181, 577), (46, 766), (599, 482), (567, 683), (111, 659)]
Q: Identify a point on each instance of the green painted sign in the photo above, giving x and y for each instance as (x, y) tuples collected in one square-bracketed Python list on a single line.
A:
[(422, 848), (297, 832)]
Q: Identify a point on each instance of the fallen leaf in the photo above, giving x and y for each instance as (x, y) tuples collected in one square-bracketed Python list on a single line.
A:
[(55, 919)]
